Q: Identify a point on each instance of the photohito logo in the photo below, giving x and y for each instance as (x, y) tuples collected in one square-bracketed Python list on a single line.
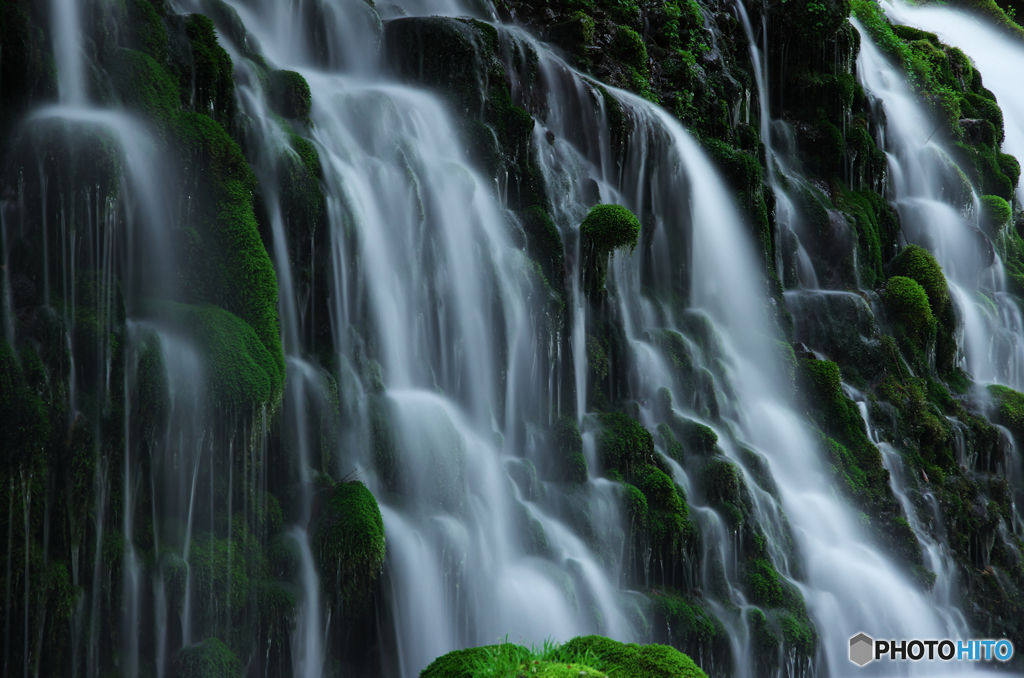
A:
[(864, 649)]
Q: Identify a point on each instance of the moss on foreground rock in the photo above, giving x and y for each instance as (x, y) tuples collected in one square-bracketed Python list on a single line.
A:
[(348, 542), (208, 659), (592, 656)]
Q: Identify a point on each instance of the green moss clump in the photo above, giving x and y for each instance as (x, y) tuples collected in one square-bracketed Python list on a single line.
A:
[(240, 370), (918, 264), (906, 303), (628, 660), (208, 659), (635, 505), (762, 582), (698, 438), (608, 228), (669, 525), (876, 224), (693, 625), (289, 95), (1009, 409), (623, 444), (348, 542), (466, 663), (995, 213), (211, 76), (232, 267), (144, 86), (569, 464), (145, 29)]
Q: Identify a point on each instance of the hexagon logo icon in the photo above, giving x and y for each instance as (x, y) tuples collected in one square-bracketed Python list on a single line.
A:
[(861, 649)]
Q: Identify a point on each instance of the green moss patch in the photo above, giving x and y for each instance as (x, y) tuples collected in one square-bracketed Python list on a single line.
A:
[(623, 443), (240, 370), (605, 229), (348, 542), (995, 213), (290, 95), (208, 659), (1009, 409)]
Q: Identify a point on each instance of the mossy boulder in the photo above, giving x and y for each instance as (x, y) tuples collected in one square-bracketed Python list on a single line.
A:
[(289, 95), (208, 659), (671, 533), (623, 444), (568, 465), (348, 542), (629, 660), (995, 213), (921, 266), (466, 663), (606, 229), (587, 656), (907, 306), (1009, 409), (693, 627), (240, 370)]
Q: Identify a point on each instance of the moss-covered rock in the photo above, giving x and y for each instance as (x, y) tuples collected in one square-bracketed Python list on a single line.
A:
[(208, 659), (348, 542), (1009, 409), (605, 229), (920, 265), (461, 59), (240, 371), (670, 530), (623, 444), (907, 306), (628, 660), (289, 95), (995, 213)]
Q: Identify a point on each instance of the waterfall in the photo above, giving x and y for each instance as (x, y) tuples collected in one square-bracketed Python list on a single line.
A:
[(414, 342), (994, 348)]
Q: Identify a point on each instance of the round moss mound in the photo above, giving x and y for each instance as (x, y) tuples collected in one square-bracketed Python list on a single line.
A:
[(474, 661), (609, 227), (585, 656), (995, 212), (629, 660), (623, 443), (208, 659), (919, 265), (348, 541), (906, 302), (606, 229), (290, 95), (241, 370), (568, 465)]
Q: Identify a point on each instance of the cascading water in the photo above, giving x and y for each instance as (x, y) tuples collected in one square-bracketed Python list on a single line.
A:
[(940, 212), (431, 358)]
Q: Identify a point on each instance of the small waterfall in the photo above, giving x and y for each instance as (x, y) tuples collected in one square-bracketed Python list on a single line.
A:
[(939, 210)]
